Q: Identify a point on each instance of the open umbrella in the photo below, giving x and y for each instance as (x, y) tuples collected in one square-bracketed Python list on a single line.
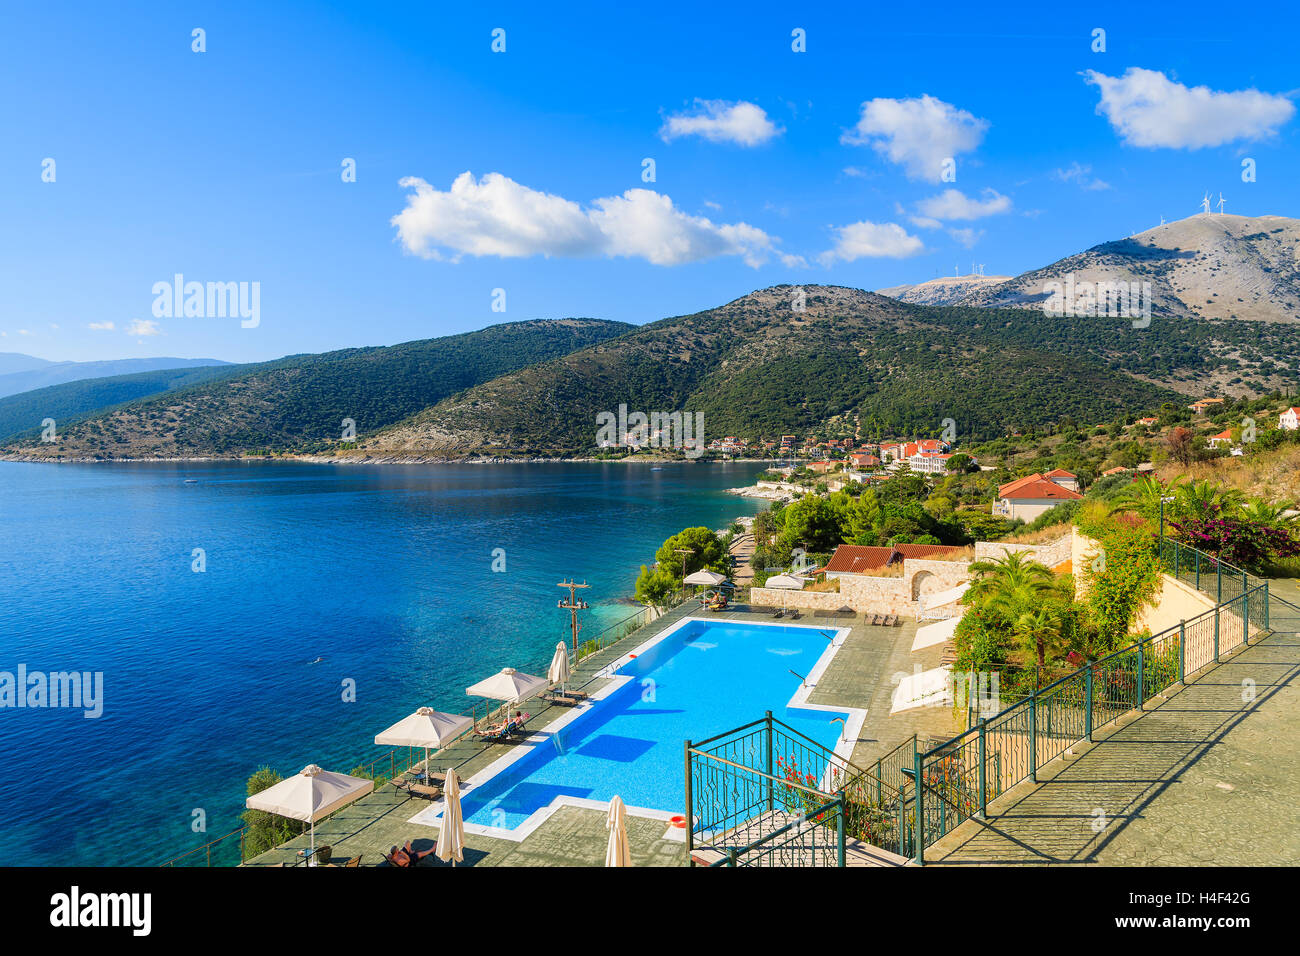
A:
[(705, 577), (310, 795), (510, 685), (785, 582), (425, 728), (558, 672), (451, 835), (616, 851)]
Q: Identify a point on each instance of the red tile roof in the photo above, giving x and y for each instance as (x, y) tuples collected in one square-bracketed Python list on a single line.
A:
[(856, 558), (1060, 473), (924, 550), (1036, 486), (859, 559)]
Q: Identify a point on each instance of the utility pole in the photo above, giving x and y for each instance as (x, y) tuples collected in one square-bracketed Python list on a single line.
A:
[(574, 606), (683, 552)]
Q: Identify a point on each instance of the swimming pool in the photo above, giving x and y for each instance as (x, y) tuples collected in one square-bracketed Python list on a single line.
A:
[(696, 679)]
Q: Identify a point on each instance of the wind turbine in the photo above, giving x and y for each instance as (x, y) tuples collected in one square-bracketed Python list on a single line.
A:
[(1205, 204), (1220, 204)]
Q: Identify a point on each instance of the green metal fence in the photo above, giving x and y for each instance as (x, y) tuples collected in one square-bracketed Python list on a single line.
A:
[(959, 777), (764, 794), (1221, 580)]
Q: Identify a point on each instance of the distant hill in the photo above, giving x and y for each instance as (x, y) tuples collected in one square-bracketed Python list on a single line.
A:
[(853, 360), (1202, 267), (299, 402), (56, 373), (70, 401), (18, 362), (945, 290)]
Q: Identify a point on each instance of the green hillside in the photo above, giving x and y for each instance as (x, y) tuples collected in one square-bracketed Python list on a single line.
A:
[(298, 403), (755, 367), (72, 400)]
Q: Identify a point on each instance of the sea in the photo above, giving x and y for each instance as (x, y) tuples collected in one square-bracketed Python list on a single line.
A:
[(249, 614)]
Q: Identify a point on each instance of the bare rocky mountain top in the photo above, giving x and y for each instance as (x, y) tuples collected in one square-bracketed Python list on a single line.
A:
[(1216, 266), (945, 290)]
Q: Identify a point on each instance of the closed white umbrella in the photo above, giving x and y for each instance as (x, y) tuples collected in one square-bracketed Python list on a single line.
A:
[(451, 835), (310, 795), (558, 672), (510, 685), (427, 728), (617, 852)]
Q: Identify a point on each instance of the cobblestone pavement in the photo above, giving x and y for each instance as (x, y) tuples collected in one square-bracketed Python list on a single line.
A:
[(1211, 776)]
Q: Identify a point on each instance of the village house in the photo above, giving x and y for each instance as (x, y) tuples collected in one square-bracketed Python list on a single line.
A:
[(929, 463), (1026, 498), (1222, 438), (853, 559), (1289, 419), (1200, 407)]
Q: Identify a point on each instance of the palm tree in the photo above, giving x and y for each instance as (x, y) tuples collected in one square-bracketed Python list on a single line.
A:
[(1143, 496), (1024, 595), (1281, 514), (1039, 628), (1203, 498), (996, 579)]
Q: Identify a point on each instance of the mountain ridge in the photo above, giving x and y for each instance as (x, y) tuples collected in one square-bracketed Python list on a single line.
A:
[(1207, 266)]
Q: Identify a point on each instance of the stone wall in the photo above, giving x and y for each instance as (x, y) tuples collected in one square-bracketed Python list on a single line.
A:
[(895, 594), (1052, 554)]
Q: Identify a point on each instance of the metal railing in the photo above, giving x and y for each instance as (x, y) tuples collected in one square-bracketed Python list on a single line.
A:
[(758, 793), (959, 777), (1202, 571)]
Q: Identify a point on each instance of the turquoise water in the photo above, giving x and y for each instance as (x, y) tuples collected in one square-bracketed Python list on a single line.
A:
[(705, 678), (382, 572)]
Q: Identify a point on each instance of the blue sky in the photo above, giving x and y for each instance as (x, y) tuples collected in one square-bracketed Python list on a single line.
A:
[(225, 165)]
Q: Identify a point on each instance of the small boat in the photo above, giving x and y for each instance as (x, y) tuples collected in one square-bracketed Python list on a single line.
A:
[(191, 481)]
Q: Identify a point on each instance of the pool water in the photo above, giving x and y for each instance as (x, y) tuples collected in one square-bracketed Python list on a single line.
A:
[(703, 678)]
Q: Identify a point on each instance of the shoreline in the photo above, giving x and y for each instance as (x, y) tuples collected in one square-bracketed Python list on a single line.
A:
[(383, 460)]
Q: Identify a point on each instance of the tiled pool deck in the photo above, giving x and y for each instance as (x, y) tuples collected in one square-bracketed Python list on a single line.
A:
[(858, 676)]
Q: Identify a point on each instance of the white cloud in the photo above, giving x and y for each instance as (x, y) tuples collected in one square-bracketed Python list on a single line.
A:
[(101, 326), (143, 327), (1082, 175), (954, 204), (1148, 109), (496, 216), (967, 237), (24, 332), (871, 240), (745, 124), (918, 134)]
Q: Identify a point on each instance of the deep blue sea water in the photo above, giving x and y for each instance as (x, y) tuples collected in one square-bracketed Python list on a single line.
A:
[(385, 572)]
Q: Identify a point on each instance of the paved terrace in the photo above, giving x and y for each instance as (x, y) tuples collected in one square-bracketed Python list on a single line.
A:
[(859, 676), (1210, 776)]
